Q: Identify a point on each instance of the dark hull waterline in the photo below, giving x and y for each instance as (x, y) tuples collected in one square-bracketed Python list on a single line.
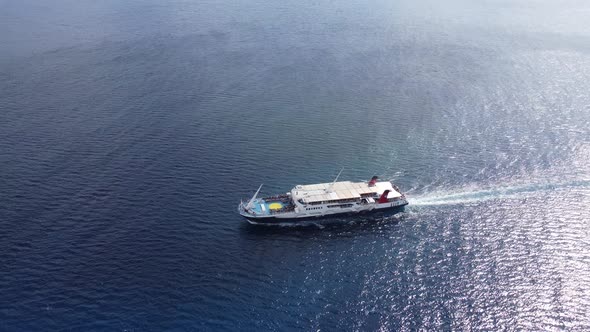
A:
[(326, 218)]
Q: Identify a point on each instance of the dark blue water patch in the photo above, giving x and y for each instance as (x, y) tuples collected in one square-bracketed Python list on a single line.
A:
[(129, 132)]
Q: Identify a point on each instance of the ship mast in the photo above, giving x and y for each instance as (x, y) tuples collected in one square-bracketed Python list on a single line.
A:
[(336, 179), (253, 198)]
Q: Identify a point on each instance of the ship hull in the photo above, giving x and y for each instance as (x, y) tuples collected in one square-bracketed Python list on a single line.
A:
[(335, 217)]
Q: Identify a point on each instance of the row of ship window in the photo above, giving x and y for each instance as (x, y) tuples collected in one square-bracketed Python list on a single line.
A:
[(331, 206), (348, 200)]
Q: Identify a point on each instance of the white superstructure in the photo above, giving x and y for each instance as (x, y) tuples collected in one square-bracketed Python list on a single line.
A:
[(324, 199), (337, 191)]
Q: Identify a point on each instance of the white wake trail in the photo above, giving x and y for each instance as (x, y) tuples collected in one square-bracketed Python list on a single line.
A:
[(459, 196)]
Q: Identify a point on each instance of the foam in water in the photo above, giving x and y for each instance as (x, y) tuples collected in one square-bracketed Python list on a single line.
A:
[(475, 196)]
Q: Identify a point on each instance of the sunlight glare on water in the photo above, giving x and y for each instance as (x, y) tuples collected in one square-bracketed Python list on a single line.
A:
[(130, 130)]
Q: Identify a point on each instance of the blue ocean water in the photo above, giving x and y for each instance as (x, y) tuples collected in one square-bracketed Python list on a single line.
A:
[(130, 130)]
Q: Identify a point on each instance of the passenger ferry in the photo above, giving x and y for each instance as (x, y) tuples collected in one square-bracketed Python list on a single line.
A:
[(324, 200)]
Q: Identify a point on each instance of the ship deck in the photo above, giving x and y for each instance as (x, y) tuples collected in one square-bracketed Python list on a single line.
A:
[(344, 190), (271, 205)]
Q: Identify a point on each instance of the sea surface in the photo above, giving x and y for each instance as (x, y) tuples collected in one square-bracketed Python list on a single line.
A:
[(130, 130)]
